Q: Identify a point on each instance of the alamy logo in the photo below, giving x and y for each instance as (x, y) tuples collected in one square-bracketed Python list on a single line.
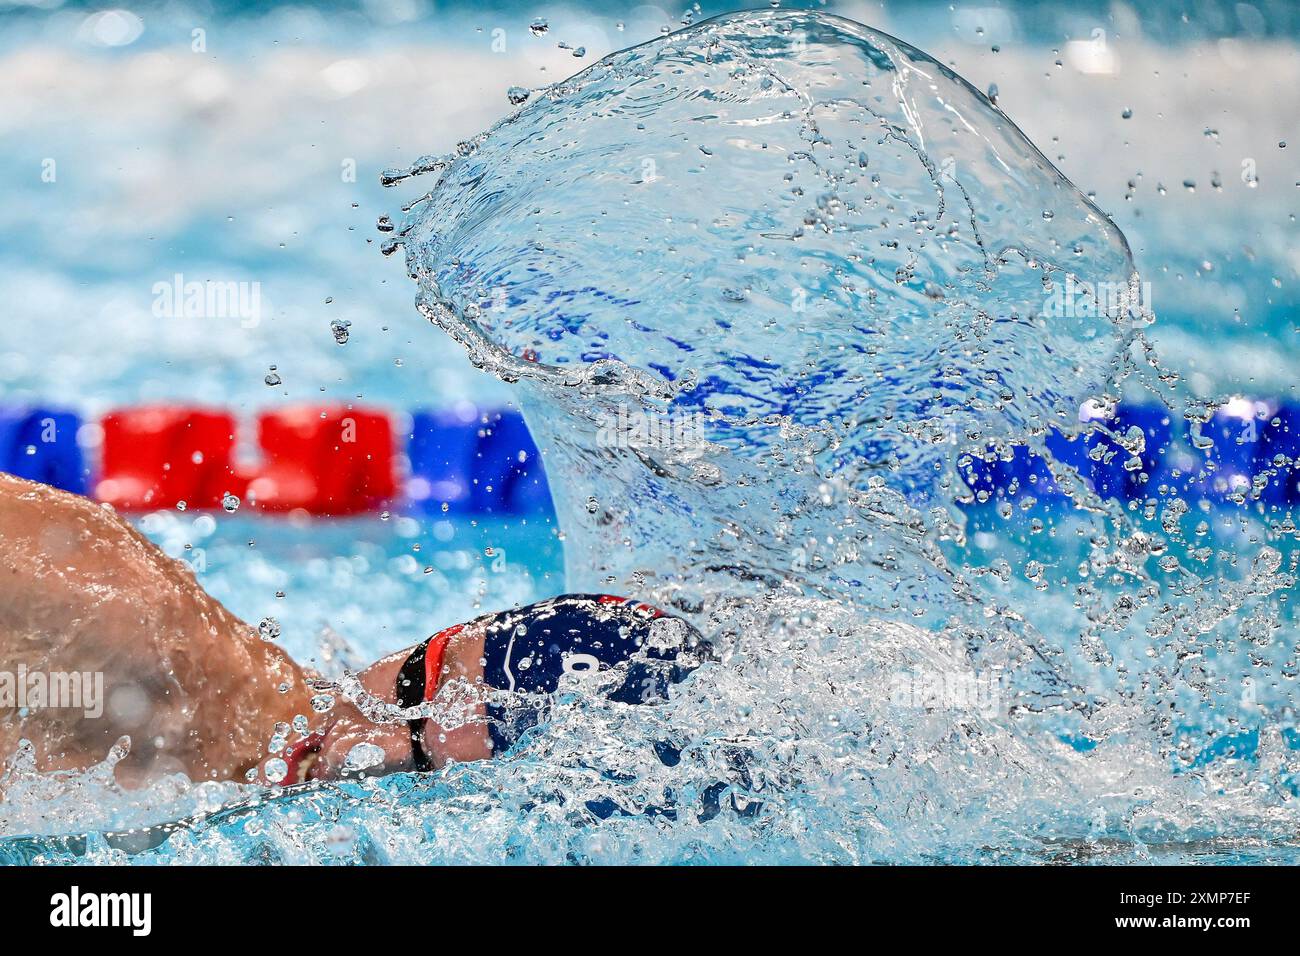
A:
[(642, 430), (52, 690), (1074, 299), (210, 299), (74, 909), (956, 690)]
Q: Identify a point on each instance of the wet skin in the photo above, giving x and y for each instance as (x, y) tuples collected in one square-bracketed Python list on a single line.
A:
[(194, 688)]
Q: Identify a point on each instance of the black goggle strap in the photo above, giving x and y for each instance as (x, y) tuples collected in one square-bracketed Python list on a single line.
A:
[(410, 693)]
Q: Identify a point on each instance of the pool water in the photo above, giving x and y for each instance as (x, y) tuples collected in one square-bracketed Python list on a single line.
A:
[(236, 162)]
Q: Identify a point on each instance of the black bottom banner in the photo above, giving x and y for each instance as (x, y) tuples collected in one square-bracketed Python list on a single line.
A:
[(252, 906)]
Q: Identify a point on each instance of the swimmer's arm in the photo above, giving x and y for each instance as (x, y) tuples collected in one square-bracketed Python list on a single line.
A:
[(81, 589)]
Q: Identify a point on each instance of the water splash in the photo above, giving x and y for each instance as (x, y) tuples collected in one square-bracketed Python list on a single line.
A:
[(764, 283), (811, 236)]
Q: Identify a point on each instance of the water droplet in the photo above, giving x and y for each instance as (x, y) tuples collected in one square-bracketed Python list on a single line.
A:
[(363, 756), (230, 502), (276, 770), (1127, 114), (273, 378), (339, 329), (517, 95), (269, 629), (322, 703), (539, 27)]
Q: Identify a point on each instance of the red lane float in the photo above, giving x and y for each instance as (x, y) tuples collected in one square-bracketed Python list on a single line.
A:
[(332, 460), (157, 456)]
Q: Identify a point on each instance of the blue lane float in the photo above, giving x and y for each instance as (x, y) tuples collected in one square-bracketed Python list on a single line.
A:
[(1279, 443), (41, 444), (1228, 465), (442, 449), (1243, 445), (511, 479), (469, 461), (463, 461)]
